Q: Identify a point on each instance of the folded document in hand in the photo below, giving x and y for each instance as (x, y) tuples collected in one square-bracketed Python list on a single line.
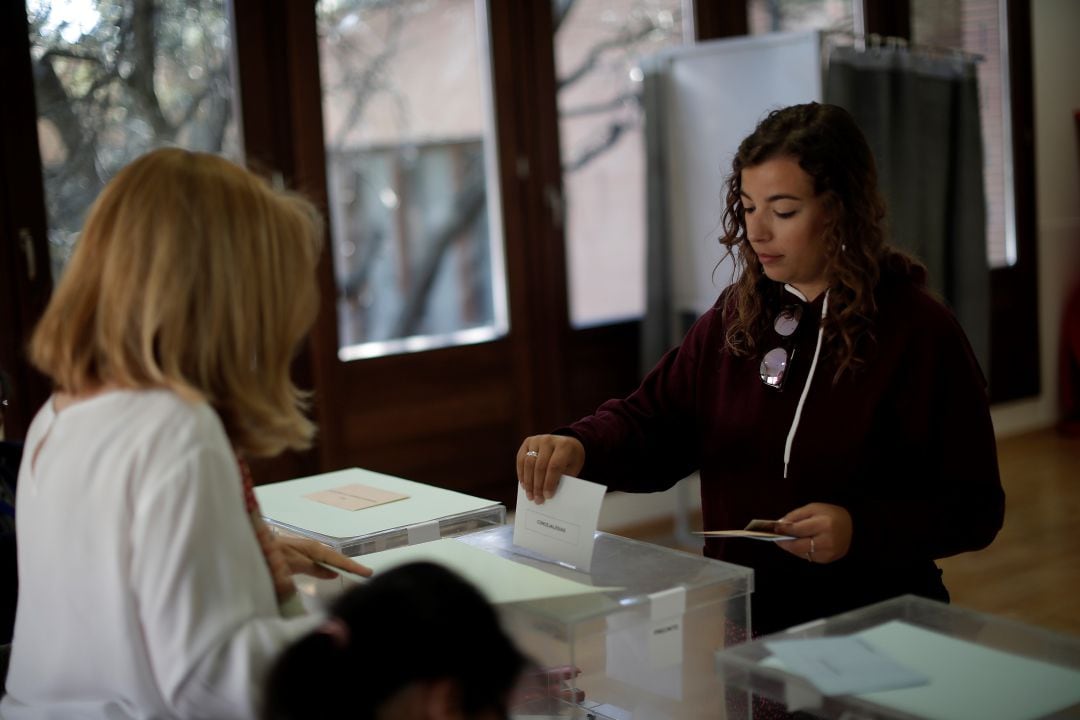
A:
[(754, 530)]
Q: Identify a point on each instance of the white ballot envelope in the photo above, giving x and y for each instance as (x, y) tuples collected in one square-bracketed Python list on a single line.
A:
[(563, 528)]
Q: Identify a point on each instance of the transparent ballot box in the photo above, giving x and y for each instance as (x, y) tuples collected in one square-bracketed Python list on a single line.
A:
[(330, 508), (643, 645), (927, 659)]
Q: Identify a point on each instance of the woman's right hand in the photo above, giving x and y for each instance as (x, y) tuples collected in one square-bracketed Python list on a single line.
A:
[(543, 459)]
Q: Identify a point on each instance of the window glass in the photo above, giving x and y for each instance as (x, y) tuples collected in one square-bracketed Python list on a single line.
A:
[(410, 168), (975, 26), (598, 44), (789, 15), (115, 79)]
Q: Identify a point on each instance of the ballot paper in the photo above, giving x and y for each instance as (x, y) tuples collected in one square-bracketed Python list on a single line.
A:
[(290, 504), (355, 496), (499, 579), (964, 680), (755, 530), (844, 665), (970, 680), (564, 527)]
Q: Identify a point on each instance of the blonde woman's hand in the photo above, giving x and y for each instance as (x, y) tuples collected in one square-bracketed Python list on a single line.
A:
[(303, 557), (823, 532), (543, 459), (276, 562)]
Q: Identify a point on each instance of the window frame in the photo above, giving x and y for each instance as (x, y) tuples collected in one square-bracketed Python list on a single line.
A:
[(546, 372)]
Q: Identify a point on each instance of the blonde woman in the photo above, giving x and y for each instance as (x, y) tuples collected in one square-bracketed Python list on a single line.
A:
[(148, 585)]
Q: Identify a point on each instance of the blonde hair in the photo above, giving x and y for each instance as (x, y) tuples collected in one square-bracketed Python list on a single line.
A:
[(191, 274)]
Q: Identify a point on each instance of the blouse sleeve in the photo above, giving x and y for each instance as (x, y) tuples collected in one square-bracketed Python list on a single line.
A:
[(206, 603)]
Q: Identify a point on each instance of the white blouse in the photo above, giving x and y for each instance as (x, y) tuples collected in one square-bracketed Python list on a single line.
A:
[(143, 592)]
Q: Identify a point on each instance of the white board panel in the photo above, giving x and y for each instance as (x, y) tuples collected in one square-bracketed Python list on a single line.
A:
[(715, 94)]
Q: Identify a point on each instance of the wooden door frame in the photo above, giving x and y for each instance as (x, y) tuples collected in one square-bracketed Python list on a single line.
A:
[(514, 383), (556, 372), (24, 242)]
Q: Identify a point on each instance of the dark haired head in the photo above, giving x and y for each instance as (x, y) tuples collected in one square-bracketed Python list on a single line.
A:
[(829, 147), (413, 624)]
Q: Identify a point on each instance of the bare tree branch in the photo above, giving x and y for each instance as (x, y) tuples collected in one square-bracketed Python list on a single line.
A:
[(102, 113), (370, 80), (614, 132), (625, 40), (353, 286), (207, 132), (559, 10), (77, 176), (619, 42), (71, 55), (144, 64), (55, 105), (596, 108), (468, 205)]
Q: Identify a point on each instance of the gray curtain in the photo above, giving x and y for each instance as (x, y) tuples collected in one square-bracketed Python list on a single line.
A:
[(656, 325), (920, 115)]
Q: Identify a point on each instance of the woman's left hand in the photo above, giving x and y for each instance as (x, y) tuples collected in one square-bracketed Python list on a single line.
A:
[(823, 532), (304, 555)]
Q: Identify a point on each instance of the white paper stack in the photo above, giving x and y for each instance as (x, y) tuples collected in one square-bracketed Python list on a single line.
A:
[(427, 513)]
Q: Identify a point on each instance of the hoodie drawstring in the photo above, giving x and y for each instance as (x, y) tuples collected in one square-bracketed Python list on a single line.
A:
[(809, 379)]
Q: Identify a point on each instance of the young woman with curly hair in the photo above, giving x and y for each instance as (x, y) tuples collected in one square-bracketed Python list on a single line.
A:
[(827, 388)]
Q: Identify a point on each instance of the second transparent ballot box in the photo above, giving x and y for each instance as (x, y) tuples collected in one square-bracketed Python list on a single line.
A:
[(955, 664), (357, 511), (642, 644)]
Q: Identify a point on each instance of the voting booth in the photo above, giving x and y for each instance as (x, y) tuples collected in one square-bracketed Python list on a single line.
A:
[(910, 657), (357, 512), (633, 637)]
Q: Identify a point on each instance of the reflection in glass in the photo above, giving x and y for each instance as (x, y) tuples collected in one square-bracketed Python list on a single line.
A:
[(790, 15), (975, 26), (598, 44), (409, 156), (116, 78)]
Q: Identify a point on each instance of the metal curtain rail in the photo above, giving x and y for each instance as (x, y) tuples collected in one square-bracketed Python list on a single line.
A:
[(873, 41)]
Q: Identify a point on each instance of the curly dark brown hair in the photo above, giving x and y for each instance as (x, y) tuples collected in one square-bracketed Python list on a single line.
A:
[(831, 149)]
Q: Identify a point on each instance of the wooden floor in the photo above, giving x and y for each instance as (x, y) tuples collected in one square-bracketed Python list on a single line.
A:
[(1032, 570)]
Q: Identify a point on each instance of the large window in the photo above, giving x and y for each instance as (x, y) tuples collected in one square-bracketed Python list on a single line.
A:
[(115, 79), (975, 26), (789, 15), (598, 45), (417, 246), (388, 113)]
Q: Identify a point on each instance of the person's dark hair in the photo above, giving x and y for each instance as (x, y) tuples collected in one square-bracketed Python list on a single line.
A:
[(831, 149), (414, 623)]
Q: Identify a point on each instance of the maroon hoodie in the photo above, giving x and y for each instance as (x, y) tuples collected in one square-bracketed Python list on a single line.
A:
[(905, 444)]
